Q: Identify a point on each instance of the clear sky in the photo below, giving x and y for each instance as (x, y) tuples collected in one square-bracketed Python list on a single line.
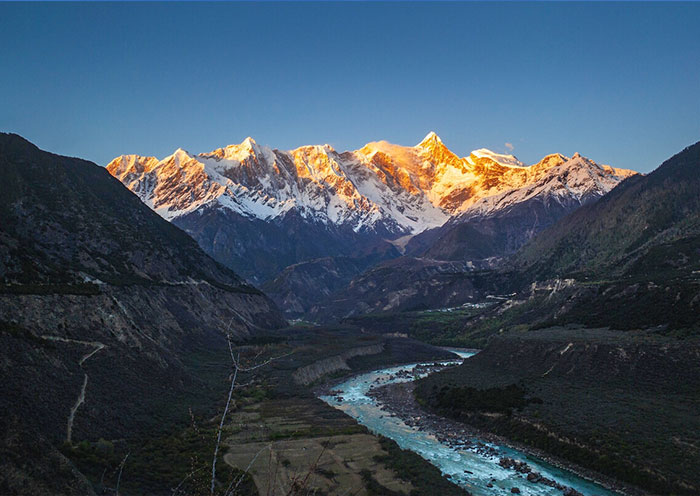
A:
[(619, 83)]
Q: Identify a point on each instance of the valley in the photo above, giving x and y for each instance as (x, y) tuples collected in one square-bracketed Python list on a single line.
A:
[(383, 401), (276, 417), (349, 248), (127, 329), (624, 406)]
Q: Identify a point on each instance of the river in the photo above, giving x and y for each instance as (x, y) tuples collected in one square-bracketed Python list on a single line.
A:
[(477, 470)]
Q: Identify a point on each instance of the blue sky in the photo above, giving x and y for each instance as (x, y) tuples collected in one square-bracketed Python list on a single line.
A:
[(619, 83)]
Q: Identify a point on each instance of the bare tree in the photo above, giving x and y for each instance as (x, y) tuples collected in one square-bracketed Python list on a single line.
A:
[(237, 368)]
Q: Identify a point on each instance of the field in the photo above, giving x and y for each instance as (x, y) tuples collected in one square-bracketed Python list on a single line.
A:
[(301, 441)]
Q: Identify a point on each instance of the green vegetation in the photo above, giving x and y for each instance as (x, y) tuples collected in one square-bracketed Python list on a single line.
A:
[(467, 327), (173, 445), (427, 479), (469, 399), (436, 327), (272, 411), (622, 404), (374, 488), (636, 304), (156, 465)]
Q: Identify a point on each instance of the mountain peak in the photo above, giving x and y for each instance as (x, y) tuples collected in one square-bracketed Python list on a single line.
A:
[(181, 153), (552, 160), (381, 187), (240, 152), (250, 145), (431, 139)]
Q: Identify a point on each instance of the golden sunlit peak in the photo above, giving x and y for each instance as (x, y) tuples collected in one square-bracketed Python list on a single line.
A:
[(430, 139)]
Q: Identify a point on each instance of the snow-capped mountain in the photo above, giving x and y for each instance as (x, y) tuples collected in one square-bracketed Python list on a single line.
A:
[(525, 200), (314, 201), (365, 189), (559, 178)]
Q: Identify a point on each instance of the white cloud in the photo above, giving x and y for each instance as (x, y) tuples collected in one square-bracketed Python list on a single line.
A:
[(510, 147)]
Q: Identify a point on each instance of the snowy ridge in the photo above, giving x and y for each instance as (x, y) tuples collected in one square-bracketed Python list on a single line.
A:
[(555, 178), (500, 159), (381, 187)]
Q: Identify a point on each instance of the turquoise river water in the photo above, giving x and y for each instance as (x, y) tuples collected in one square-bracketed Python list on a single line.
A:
[(453, 461)]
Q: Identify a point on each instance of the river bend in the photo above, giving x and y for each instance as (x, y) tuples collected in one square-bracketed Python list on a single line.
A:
[(476, 469)]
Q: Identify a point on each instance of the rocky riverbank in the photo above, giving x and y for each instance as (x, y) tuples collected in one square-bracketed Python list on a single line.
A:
[(398, 400)]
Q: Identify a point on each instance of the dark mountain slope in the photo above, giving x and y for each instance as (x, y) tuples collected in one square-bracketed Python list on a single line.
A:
[(101, 303), (300, 286), (633, 221), (65, 218), (624, 404), (259, 250), (500, 233), (631, 260), (406, 284)]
